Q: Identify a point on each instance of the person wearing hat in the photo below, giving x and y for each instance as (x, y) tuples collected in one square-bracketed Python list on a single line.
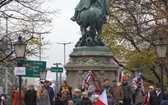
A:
[(155, 98), (76, 97), (118, 93), (127, 91)]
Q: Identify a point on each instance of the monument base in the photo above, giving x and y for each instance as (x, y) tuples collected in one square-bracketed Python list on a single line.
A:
[(97, 59)]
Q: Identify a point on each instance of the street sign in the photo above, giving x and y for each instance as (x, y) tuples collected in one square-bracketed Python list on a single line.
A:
[(33, 67), (20, 71), (57, 69)]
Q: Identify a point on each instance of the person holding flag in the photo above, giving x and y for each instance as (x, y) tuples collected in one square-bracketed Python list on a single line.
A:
[(102, 99)]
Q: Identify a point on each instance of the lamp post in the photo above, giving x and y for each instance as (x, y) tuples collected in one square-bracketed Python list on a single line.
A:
[(64, 57), (20, 49), (161, 50), (42, 74), (57, 77)]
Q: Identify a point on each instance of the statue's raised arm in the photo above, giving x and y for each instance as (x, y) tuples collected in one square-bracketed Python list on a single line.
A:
[(92, 14)]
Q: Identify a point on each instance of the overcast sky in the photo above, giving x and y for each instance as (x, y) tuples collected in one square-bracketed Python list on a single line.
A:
[(64, 31)]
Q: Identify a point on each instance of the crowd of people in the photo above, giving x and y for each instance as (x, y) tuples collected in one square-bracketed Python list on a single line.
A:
[(87, 94)]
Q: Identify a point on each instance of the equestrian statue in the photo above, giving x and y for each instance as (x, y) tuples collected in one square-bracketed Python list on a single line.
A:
[(90, 16)]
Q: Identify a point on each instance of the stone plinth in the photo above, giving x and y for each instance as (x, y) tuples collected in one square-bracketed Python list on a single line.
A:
[(83, 59)]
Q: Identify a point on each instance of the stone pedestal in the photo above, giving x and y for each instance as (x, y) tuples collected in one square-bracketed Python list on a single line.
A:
[(96, 58)]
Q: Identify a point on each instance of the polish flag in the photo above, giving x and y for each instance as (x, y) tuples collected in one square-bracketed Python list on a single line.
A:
[(102, 99)]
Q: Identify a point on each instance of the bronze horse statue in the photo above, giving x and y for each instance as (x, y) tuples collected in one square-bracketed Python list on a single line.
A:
[(91, 18)]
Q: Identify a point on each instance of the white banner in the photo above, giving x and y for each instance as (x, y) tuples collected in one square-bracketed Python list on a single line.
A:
[(20, 71)]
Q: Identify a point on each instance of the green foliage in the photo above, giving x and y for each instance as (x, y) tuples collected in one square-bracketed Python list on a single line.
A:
[(132, 31), (144, 59)]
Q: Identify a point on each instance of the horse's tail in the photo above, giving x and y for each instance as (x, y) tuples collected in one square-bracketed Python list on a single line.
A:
[(92, 15), (92, 21)]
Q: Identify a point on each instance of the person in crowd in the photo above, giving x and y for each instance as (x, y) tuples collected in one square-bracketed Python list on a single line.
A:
[(85, 99), (110, 98), (155, 98), (79, 86), (42, 96), (52, 84), (88, 88), (164, 102), (66, 96), (165, 90), (66, 86), (76, 96), (49, 90), (70, 102), (127, 91), (15, 95), (30, 96), (106, 86), (118, 93), (148, 94), (138, 94), (58, 99), (95, 95), (3, 100)]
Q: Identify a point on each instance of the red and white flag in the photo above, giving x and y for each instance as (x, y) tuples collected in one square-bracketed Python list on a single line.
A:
[(102, 99)]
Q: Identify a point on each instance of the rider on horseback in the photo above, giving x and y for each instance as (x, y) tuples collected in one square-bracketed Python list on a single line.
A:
[(85, 4)]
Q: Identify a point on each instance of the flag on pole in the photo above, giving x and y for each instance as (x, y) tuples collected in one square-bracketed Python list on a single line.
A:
[(102, 99)]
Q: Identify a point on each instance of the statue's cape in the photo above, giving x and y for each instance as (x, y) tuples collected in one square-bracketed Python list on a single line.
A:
[(102, 4), (83, 4)]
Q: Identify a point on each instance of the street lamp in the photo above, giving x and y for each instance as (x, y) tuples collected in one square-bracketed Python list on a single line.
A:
[(56, 82), (64, 56), (161, 50), (20, 49), (42, 74)]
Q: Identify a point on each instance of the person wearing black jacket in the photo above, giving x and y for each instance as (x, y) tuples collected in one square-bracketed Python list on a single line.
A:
[(3, 99), (30, 96), (85, 99), (58, 100), (155, 98), (127, 91), (49, 90)]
